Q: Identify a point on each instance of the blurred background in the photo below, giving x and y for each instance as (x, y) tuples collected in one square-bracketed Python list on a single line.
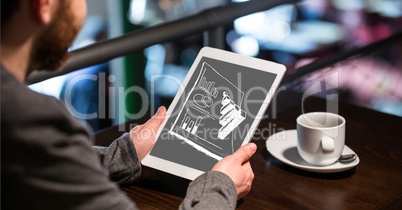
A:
[(293, 34)]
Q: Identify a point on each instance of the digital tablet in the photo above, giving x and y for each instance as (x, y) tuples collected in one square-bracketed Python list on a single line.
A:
[(216, 110)]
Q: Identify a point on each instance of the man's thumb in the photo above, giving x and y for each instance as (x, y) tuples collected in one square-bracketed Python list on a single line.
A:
[(156, 121), (244, 153)]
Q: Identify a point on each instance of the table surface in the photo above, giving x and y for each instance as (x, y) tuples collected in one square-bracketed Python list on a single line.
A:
[(375, 183)]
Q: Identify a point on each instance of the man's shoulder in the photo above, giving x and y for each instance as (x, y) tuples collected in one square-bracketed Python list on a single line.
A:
[(30, 116), (18, 100)]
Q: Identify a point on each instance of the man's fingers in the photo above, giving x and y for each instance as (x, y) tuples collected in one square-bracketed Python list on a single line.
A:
[(245, 152)]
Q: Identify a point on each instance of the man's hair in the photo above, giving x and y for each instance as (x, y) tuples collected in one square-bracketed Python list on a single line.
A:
[(8, 8)]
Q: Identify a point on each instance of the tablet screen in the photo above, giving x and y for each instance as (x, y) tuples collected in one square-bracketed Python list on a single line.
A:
[(213, 114)]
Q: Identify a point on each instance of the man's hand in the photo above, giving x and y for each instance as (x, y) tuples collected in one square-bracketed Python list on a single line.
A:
[(238, 168), (143, 136)]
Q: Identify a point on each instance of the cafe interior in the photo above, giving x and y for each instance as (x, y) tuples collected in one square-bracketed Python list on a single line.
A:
[(348, 53)]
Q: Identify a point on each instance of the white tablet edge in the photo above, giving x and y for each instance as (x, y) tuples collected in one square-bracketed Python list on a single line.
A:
[(226, 56)]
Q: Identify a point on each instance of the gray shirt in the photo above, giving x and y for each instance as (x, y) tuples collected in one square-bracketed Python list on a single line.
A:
[(48, 160)]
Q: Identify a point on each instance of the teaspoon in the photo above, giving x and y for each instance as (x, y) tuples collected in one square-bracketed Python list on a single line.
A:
[(347, 158)]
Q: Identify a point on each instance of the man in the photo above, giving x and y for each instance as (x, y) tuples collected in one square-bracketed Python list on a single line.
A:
[(47, 161)]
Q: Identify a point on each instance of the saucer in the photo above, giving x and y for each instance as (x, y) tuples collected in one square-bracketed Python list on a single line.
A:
[(283, 146)]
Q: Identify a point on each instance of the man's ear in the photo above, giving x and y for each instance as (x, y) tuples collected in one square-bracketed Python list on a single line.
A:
[(44, 10)]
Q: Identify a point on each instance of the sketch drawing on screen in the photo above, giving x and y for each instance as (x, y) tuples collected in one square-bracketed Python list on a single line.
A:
[(210, 115)]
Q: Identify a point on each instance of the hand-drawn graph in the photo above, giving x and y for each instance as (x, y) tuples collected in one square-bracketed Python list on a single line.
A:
[(232, 116), (211, 112), (189, 125)]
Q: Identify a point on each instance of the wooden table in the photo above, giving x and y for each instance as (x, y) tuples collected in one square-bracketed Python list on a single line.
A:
[(375, 183)]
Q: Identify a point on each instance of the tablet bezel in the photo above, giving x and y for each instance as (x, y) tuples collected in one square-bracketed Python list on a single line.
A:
[(225, 56)]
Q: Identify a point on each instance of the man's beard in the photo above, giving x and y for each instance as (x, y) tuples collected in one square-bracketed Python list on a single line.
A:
[(50, 48)]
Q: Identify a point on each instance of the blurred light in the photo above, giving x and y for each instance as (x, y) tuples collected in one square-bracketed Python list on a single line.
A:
[(246, 45), (166, 5), (85, 42), (388, 106), (349, 4), (351, 19), (137, 11), (231, 36), (269, 26), (170, 82), (93, 26), (155, 60), (320, 32), (390, 8), (314, 9), (249, 24), (51, 87), (284, 12), (279, 31)]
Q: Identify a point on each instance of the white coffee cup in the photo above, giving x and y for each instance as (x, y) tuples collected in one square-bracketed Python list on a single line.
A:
[(321, 137)]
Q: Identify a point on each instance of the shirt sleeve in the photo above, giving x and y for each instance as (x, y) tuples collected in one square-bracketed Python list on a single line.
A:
[(212, 190), (120, 160)]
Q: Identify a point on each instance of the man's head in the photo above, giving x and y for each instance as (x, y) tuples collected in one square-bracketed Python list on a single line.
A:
[(57, 23)]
